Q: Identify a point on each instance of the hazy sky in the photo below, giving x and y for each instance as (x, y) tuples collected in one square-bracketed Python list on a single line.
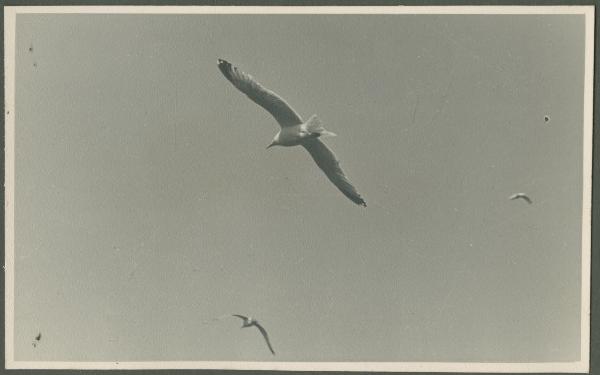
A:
[(146, 202)]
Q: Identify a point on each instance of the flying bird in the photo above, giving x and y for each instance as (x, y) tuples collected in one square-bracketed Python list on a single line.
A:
[(249, 322), (521, 196), (294, 131)]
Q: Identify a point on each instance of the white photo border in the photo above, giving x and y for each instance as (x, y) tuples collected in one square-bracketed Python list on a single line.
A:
[(581, 366)]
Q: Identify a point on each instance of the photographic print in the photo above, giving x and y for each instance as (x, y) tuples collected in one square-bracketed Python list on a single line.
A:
[(298, 188)]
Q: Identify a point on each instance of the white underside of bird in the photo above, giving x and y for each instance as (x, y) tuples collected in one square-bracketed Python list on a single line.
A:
[(294, 131), (297, 134)]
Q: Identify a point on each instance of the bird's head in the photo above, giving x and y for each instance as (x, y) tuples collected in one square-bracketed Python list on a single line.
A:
[(275, 141)]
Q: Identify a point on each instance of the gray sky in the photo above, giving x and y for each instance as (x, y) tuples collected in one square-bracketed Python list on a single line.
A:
[(146, 202)]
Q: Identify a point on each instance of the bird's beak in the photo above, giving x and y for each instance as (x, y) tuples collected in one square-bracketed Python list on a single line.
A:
[(271, 145)]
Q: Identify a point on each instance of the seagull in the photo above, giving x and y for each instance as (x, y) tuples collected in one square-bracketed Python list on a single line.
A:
[(522, 196), (249, 322), (294, 131)]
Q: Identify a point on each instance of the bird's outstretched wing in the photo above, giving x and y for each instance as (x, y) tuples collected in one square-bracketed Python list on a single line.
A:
[(327, 161), (240, 316), (266, 336), (277, 107)]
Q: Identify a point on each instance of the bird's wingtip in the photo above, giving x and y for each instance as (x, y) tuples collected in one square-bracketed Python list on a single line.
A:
[(222, 62), (358, 200), (225, 67)]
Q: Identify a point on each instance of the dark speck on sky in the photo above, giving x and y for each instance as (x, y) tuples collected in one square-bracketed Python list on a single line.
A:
[(37, 339)]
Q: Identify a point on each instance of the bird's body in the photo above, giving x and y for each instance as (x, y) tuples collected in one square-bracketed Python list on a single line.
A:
[(520, 196), (298, 134), (250, 322), (294, 131), (291, 136)]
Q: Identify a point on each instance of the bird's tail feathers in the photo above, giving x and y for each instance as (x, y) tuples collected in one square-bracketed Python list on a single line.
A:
[(314, 125)]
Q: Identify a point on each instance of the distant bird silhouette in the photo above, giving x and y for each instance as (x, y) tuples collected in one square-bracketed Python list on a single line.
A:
[(521, 196), (249, 322), (294, 131), (546, 118)]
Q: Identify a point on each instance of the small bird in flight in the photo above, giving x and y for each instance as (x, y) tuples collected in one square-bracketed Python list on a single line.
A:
[(249, 322), (294, 131), (521, 196)]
